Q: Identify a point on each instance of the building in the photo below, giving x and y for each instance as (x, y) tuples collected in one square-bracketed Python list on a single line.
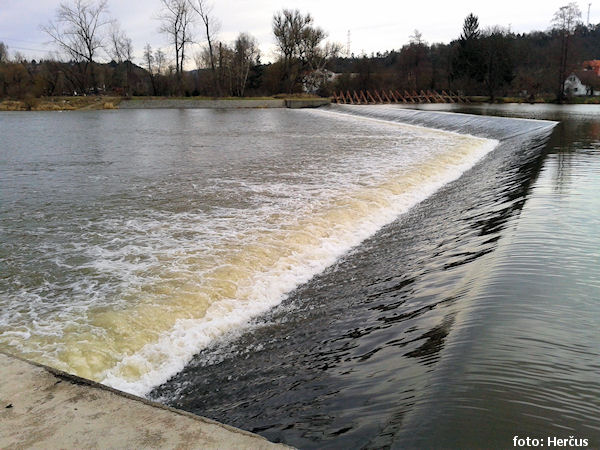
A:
[(593, 65), (585, 81)]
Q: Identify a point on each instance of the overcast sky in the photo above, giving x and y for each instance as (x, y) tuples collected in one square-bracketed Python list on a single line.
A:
[(374, 25)]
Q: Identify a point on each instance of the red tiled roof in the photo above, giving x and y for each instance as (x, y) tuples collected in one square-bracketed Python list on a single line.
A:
[(592, 65)]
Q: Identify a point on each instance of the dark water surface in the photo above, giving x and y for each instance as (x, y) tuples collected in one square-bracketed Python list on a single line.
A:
[(470, 320)]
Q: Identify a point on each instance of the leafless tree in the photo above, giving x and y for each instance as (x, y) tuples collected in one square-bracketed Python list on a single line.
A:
[(211, 28), (222, 78), (300, 46), (289, 27), (417, 38), (246, 54), (160, 61), (120, 48), (149, 65), (317, 56), (176, 22), (155, 63), (77, 30), (565, 22), (3, 53)]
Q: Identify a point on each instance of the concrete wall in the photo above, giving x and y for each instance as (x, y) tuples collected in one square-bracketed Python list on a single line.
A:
[(220, 104), (306, 103), (194, 104), (45, 408)]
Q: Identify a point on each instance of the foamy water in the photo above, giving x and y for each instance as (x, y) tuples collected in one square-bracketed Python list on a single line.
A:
[(154, 256)]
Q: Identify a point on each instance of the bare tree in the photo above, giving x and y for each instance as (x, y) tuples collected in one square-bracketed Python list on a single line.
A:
[(121, 51), (223, 56), (417, 38), (77, 30), (299, 44), (121, 48), (211, 28), (317, 56), (160, 62), (149, 64), (3, 53), (155, 64), (176, 21), (565, 22), (246, 54), (288, 28), (315, 77)]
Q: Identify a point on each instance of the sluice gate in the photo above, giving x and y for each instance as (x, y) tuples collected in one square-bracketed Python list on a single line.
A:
[(395, 96)]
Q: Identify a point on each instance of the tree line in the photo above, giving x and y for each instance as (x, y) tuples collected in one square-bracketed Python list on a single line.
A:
[(489, 61)]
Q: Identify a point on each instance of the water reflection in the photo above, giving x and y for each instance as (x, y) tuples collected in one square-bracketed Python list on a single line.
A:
[(428, 351)]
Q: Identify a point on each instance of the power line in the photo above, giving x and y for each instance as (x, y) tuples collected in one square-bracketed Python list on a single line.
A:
[(20, 40), (8, 41), (27, 49)]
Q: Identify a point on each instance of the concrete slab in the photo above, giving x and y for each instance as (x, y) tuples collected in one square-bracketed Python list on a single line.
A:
[(172, 103), (307, 103), (179, 103), (41, 407)]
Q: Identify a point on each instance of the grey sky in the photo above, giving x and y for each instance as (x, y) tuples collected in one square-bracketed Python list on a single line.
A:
[(375, 25)]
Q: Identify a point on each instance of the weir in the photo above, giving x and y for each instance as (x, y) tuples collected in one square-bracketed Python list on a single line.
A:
[(500, 128), (363, 338), (395, 96), (176, 281)]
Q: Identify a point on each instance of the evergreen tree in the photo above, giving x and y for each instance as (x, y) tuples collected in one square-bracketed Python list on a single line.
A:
[(468, 60)]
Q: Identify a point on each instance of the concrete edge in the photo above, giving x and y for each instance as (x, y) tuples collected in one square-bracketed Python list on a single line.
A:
[(74, 379), (222, 104), (180, 103), (306, 103)]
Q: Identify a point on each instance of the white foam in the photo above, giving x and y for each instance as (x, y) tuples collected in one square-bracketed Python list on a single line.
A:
[(176, 347)]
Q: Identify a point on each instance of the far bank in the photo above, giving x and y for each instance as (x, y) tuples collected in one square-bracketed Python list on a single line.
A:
[(101, 102)]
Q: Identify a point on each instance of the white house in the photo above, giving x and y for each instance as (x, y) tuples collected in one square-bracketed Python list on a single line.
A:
[(574, 86)]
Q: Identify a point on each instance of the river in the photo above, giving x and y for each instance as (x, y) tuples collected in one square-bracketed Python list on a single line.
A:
[(349, 276)]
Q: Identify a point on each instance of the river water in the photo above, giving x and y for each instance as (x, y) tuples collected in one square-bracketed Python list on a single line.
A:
[(349, 276)]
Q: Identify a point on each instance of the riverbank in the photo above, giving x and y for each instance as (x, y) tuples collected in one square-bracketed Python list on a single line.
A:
[(43, 407), (61, 103), (101, 102), (192, 103)]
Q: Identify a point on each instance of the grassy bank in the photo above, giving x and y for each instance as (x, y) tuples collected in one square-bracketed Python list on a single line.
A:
[(60, 103), (102, 102), (273, 97)]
